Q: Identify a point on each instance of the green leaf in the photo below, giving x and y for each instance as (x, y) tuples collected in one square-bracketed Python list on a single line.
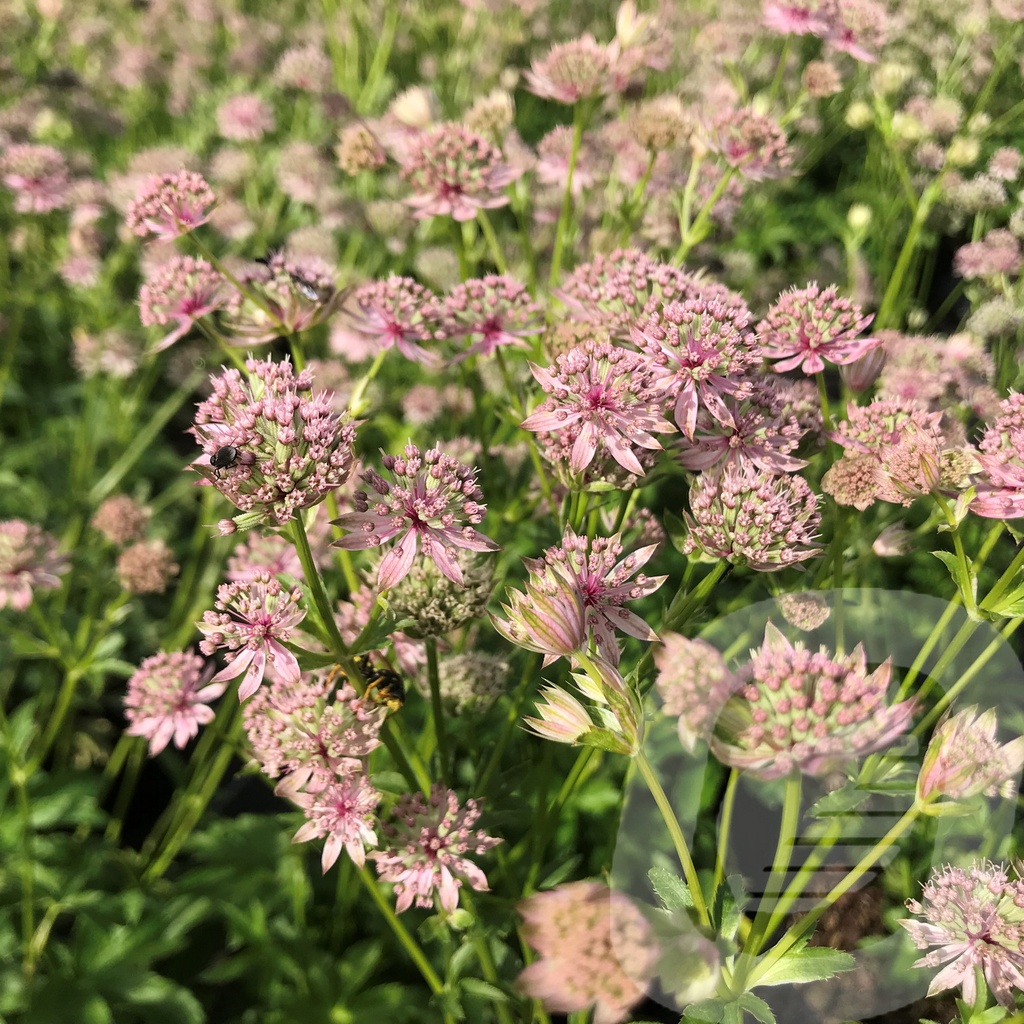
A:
[(989, 1016), (484, 990), (671, 889), (676, 529), (711, 1011), (757, 1008), (809, 963)]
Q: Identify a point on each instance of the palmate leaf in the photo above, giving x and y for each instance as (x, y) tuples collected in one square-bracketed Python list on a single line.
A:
[(804, 964), (672, 890)]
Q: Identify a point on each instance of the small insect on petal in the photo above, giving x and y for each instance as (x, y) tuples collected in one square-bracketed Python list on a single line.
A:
[(224, 457)]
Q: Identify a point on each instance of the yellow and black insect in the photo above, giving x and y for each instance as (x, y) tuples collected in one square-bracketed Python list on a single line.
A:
[(384, 686)]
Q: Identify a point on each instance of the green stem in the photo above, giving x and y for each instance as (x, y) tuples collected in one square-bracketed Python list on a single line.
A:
[(698, 230), (678, 840), (436, 707), (316, 586), (492, 241), (562, 228), (887, 310), (725, 828)]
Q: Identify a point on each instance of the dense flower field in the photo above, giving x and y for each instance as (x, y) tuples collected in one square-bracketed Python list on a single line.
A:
[(511, 511)]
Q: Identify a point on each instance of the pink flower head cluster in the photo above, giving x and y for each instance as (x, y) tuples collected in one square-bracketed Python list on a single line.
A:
[(244, 118), (495, 311), (893, 452), (455, 172), (397, 312), (569, 72), (856, 27), (293, 294), (749, 518), (251, 622), (170, 205), (600, 397), (973, 916), (595, 950), (700, 350), (998, 253), (964, 758), (167, 699), (37, 175), (751, 142), (315, 734), (1000, 489), (762, 434), (807, 326), (693, 683), (626, 287), (182, 291), (429, 839), (796, 710), (605, 581), (290, 447), (29, 560), (433, 504)]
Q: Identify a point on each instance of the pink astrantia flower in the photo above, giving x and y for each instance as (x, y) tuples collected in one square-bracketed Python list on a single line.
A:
[(605, 581), (796, 710), (244, 118), (807, 326), (167, 699), (344, 812), (290, 294), (761, 434), (311, 731), (572, 71), (455, 172), (700, 350), (857, 27), (998, 253), (561, 717), (810, 18), (753, 519), (37, 175), (751, 142), (973, 916), (495, 310), (28, 561), (596, 950), (398, 312), (290, 447), (170, 205), (964, 758), (893, 452), (694, 683), (1000, 488), (549, 618), (606, 398), (427, 841), (250, 622), (182, 291), (434, 503), (626, 286)]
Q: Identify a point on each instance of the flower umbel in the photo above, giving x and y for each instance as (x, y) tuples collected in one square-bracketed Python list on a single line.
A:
[(345, 812), (166, 699), (974, 917), (291, 447), (181, 292), (28, 561), (432, 502), (250, 622), (170, 205), (427, 842), (795, 710)]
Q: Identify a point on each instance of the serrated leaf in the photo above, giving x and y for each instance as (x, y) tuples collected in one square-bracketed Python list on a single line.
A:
[(484, 990), (839, 802), (673, 892), (711, 1011), (757, 1008), (949, 560), (810, 963)]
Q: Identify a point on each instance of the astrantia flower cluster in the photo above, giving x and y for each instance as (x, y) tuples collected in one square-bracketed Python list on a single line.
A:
[(37, 175), (495, 311), (433, 504), (29, 561), (973, 915), (455, 172), (429, 838), (290, 448), (1000, 489), (693, 683), (181, 292), (751, 142), (250, 622), (601, 397), (166, 699), (750, 518), (170, 205), (796, 710), (807, 326), (596, 950)]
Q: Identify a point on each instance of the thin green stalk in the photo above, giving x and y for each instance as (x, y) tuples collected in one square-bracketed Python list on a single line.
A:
[(725, 828), (316, 586), (966, 580), (886, 312), (381, 56), (436, 707), (492, 241), (562, 228), (678, 840), (515, 711), (697, 231), (401, 933)]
